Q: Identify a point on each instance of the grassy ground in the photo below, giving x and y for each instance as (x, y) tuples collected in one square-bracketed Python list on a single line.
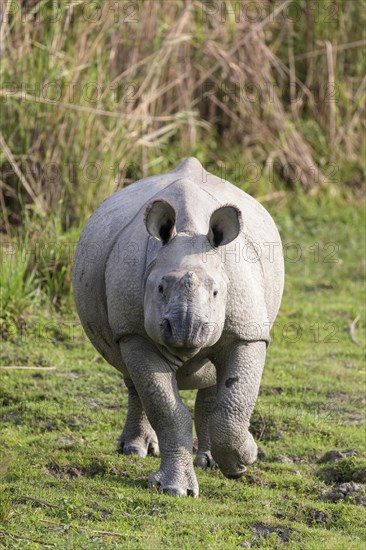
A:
[(59, 427)]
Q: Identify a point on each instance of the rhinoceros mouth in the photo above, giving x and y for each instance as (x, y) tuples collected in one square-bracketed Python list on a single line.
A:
[(177, 357), (184, 338)]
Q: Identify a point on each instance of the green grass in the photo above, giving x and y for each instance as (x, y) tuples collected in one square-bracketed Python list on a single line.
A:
[(59, 427)]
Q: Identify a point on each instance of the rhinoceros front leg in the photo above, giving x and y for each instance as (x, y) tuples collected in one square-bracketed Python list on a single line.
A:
[(156, 385), (205, 401), (137, 437), (239, 371)]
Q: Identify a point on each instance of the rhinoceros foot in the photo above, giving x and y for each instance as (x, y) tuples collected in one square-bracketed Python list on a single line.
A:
[(204, 460), (175, 481), (140, 446)]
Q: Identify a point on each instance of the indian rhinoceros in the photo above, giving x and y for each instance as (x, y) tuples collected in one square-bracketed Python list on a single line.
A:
[(177, 280)]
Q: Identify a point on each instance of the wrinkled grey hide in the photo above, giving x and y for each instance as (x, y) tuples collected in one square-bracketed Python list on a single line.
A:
[(177, 281)]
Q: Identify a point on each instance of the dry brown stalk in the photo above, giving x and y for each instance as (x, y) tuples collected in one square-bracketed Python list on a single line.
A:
[(336, 48), (331, 89), (10, 157), (352, 331), (37, 500), (89, 110), (20, 537), (13, 367)]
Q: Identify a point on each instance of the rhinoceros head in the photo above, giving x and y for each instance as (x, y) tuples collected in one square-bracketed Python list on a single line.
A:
[(186, 286)]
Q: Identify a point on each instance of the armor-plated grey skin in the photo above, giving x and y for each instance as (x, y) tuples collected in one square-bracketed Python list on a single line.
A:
[(177, 280)]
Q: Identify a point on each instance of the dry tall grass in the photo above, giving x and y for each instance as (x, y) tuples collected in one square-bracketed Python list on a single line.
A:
[(95, 95)]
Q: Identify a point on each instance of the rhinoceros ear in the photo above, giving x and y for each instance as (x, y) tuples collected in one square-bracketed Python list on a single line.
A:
[(160, 220), (225, 225)]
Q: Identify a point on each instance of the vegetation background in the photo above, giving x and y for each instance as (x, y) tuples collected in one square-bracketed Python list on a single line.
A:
[(267, 94)]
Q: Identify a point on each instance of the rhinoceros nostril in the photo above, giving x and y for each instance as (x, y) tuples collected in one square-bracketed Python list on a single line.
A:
[(167, 328)]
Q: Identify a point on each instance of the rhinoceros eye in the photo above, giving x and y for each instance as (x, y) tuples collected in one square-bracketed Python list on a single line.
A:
[(215, 293), (161, 289)]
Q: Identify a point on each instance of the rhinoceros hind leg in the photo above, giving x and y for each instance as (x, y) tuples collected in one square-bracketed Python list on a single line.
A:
[(138, 437), (204, 402)]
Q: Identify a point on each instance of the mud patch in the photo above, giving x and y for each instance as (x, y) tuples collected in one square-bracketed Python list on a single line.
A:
[(284, 459), (271, 390), (260, 532), (314, 516), (355, 493), (254, 476), (58, 423), (344, 470), (334, 455), (265, 427), (92, 470)]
